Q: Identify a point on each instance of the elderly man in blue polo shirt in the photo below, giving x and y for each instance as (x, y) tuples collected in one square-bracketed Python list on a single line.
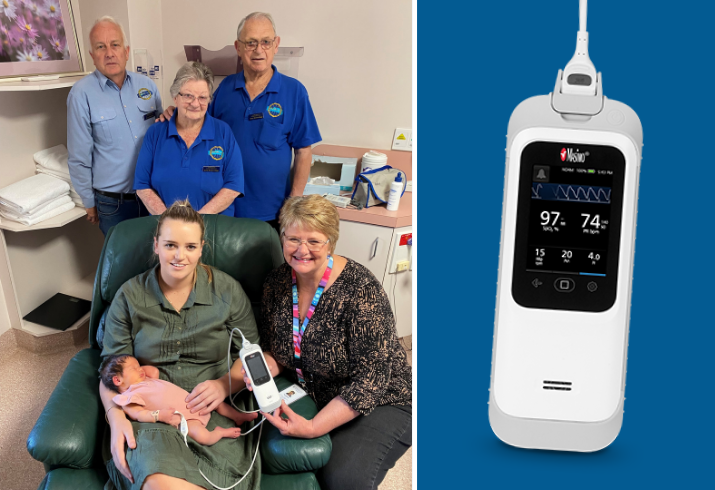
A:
[(270, 115), (108, 112)]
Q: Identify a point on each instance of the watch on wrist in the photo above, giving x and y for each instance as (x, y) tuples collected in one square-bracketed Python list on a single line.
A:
[(155, 414)]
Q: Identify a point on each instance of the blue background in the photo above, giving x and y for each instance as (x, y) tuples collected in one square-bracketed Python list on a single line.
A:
[(476, 62)]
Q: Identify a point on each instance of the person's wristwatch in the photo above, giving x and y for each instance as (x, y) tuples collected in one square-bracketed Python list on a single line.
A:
[(155, 414)]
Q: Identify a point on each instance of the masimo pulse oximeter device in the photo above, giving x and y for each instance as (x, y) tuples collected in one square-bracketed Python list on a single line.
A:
[(565, 268)]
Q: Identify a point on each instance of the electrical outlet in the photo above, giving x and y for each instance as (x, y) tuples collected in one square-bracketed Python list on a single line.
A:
[(401, 257), (402, 140)]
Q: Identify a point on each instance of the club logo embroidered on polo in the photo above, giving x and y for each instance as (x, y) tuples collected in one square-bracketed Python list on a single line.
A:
[(275, 109), (216, 153), (144, 93)]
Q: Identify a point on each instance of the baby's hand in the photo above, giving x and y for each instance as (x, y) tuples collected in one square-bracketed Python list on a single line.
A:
[(151, 372), (169, 417)]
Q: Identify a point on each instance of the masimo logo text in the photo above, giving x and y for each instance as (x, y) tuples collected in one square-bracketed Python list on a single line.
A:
[(572, 156)]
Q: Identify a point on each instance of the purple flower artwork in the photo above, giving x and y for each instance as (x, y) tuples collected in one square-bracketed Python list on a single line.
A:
[(36, 37), (32, 31)]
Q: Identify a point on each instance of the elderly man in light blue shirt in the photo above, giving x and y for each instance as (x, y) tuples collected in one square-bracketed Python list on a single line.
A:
[(108, 113)]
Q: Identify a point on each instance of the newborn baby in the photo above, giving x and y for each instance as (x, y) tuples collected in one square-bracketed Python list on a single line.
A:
[(145, 398)]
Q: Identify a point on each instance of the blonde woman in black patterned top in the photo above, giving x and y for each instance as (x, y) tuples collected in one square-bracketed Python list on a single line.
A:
[(327, 321)]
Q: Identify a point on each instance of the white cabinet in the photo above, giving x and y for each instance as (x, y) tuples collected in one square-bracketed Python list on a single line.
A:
[(375, 247), (366, 244)]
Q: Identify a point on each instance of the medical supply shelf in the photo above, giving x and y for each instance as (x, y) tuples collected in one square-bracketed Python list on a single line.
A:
[(20, 86), (58, 255), (56, 222)]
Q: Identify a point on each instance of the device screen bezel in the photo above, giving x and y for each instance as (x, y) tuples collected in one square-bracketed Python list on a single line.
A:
[(546, 296)]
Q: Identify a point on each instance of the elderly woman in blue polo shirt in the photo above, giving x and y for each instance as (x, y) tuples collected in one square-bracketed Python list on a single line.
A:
[(192, 155)]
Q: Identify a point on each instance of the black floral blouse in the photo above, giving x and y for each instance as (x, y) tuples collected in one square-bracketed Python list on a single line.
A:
[(350, 347)]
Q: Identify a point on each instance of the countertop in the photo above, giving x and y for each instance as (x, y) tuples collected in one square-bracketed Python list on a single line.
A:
[(380, 216), (376, 215)]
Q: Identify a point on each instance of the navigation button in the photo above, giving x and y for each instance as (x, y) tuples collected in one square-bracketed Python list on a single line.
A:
[(591, 286), (564, 285), (536, 283)]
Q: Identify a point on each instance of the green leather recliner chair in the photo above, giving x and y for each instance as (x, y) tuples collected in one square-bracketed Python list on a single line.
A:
[(68, 435)]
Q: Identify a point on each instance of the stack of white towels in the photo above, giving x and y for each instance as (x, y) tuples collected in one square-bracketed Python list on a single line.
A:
[(53, 161), (35, 199)]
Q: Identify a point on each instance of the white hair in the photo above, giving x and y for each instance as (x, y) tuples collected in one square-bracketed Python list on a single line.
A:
[(255, 15), (111, 20), (192, 70)]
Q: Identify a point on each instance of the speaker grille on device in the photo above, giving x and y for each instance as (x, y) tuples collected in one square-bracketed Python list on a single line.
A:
[(557, 385)]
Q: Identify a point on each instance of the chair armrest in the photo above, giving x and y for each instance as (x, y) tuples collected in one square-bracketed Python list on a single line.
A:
[(64, 478), (289, 481), (67, 434), (281, 454)]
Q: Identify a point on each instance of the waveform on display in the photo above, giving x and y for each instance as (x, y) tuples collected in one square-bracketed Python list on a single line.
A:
[(566, 192)]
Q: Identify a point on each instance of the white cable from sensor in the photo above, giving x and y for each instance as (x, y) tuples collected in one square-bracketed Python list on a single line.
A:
[(184, 429), (184, 426), (582, 14), (580, 68)]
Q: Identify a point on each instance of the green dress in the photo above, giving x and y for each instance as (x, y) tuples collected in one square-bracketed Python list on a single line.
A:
[(187, 347)]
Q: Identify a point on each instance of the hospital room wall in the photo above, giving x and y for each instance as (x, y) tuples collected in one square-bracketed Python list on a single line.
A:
[(91, 10), (357, 64)]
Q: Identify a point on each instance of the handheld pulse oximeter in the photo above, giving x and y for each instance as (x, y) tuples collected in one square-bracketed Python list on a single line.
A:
[(264, 387), (566, 264)]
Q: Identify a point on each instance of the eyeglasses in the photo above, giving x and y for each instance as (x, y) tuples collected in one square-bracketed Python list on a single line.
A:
[(189, 98), (252, 45), (295, 242)]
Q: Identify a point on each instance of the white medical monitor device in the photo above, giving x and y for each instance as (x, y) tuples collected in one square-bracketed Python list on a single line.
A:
[(565, 266), (264, 388)]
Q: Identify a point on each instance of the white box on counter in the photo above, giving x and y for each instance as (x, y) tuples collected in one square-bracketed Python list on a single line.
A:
[(341, 170)]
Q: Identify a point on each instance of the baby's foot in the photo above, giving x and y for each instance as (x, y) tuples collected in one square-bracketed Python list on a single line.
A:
[(231, 433)]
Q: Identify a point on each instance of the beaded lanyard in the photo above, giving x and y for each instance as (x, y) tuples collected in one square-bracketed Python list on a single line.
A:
[(297, 328)]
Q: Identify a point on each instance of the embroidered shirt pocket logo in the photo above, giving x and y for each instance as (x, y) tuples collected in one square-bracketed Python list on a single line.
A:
[(144, 93), (216, 153), (275, 109)]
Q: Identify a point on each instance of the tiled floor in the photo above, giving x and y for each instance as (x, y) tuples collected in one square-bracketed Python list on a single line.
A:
[(26, 382)]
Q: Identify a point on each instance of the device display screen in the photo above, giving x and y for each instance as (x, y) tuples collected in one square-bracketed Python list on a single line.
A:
[(257, 368), (569, 219), (568, 226)]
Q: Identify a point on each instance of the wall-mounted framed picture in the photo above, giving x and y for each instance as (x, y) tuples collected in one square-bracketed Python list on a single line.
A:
[(37, 37)]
